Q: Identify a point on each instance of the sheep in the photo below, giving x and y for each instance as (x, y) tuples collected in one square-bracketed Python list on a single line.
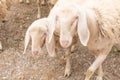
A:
[(97, 23), (4, 5), (38, 27), (50, 3), (38, 32), (55, 26), (3, 12)]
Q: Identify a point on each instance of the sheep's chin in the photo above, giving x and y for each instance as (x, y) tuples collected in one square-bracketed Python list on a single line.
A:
[(37, 51), (65, 45)]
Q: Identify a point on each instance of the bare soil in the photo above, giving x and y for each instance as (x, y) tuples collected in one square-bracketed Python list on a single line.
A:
[(17, 66)]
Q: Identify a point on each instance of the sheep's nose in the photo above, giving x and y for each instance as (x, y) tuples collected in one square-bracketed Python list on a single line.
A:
[(65, 43), (35, 52)]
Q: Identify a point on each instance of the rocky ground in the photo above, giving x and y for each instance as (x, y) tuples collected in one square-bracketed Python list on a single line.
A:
[(17, 66)]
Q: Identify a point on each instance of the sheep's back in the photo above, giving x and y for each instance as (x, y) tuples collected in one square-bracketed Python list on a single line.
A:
[(108, 17)]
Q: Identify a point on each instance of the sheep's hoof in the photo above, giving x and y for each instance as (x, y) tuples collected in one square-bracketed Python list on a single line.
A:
[(99, 78), (67, 73)]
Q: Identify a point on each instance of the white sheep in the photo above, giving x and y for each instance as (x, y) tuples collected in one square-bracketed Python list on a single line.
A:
[(50, 3), (62, 30), (38, 32), (4, 5), (97, 23)]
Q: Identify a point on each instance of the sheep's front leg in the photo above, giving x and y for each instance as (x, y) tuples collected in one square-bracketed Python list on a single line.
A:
[(39, 8), (68, 65), (100, 73), (95, 65)]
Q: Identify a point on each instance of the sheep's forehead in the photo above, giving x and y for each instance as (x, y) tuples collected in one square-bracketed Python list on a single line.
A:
[(67, 12), (36, 27)]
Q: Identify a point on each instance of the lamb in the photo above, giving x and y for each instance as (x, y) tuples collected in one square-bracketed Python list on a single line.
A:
[(50, 3), (38, 32), (97, 23)]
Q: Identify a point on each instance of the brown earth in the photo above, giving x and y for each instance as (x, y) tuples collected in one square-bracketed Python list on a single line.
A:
[(17, 66)]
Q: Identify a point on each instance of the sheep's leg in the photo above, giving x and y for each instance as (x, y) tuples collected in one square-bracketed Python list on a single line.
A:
[(100, 73), (42, 2), (27, 1), (99, 60), (68, 65), (95, 65), (39, 8)]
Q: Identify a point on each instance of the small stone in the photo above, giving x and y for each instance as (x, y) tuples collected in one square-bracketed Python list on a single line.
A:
[(21, 26)]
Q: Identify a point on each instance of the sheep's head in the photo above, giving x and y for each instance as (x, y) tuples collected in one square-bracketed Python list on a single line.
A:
[(38, 39), (37, 33), (66, 19), (70, 20)]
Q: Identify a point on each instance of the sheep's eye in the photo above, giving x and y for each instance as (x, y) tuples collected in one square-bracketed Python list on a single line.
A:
[(73, 23), (75, 18)]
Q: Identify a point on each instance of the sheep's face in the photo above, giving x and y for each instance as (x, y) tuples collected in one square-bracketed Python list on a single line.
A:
[(67, 20), (38, 40)]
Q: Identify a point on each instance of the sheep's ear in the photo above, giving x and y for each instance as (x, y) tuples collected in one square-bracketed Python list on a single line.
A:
[(83, 31), (51, 47), (27, 39), (51, 27)]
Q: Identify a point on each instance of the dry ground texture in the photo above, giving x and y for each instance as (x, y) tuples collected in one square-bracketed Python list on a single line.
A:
[(17, 66)]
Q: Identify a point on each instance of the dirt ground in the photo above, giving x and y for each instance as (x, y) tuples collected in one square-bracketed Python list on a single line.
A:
[(17, 66)]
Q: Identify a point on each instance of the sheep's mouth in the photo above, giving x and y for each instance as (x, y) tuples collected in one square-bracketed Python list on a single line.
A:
[(65, 44)]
